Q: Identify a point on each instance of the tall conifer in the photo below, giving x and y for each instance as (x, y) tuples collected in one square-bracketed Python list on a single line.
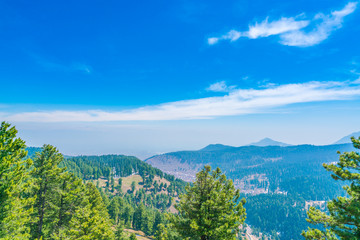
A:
[(14, 179), (343, 219), (211, 208), (47, 190)]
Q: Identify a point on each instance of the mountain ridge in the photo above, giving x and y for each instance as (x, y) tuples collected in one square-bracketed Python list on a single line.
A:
[(347, 139), (269, 142)]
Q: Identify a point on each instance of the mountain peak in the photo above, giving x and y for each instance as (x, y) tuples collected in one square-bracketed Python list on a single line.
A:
[(347, 139), (269, 142), (215, 147)]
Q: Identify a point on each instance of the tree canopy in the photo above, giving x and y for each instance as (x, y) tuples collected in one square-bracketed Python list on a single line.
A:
[(343, 218), (211, 208), (14, 183)]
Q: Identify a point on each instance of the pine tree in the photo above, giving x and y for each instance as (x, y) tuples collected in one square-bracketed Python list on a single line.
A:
[(114, 210), (127, 215), (133, 236), (157, 221), (71, 198), (133, 186), (14, 179), (146, 224), (211, 208), (139, 214), (161, 233), (47, 188), (119, 233), (343, 219), (92, 221)]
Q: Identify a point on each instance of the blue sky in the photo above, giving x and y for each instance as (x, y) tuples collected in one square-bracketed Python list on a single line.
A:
[(144, 77)]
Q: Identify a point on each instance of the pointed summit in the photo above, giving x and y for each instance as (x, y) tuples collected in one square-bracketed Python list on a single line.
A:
[(215, 147), (269, 142), (347, 139)]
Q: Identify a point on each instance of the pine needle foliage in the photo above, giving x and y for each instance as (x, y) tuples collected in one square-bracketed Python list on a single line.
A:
[(343, 218), (211, 209), (14, 185)]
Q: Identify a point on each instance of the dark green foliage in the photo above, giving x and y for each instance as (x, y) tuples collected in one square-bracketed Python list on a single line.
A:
[(47, 191), (119, 232), (295, 170), (211, 208), (133, 185), (64, 207), (161, 233), (91, 221), (133, 236), (94, 167), (141, 220), (157, 221), (283, 166), (136, 208), (71, 198), (114, 209), (343, 218), (276, 213), (14, 178)]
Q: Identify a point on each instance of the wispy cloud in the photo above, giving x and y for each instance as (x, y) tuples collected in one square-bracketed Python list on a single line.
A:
[(220, 87), (293, 31), (236, 102), (63, 67)]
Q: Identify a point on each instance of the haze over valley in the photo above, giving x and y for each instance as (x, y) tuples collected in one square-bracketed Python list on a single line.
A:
[(179, 120)]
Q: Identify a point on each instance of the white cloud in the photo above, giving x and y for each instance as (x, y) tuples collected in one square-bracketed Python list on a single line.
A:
[(220, 87), (357, 81), (292, 31), (233, 35), (283, 25), (328, 24), (237, 102), (213, 40)]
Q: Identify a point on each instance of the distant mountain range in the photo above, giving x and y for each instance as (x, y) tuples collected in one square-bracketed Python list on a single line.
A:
[(239, 162), (269, 142), (346, 139), (266, 166)]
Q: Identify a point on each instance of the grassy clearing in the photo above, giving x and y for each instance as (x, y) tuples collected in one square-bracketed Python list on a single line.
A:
[(139, 234), (126, 182)]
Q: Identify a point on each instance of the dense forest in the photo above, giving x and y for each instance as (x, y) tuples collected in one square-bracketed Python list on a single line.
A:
[(141, 207), (45, 195), (284, 177), (48, 196)]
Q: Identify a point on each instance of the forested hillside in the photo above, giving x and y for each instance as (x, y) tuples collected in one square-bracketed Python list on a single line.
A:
[(136, 194), (286, 178)]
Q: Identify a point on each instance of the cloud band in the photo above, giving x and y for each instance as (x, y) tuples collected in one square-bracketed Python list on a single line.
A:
[(236, 102)]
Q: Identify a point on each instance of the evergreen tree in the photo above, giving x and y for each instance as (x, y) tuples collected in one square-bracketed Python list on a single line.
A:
[(133, 236), (211, 208), (120, 182), (146, 224), (161, 233), (157, 221), (343, 219), (114, 210), (92, 221), (133, 185), (127, 215), (71, 198), (47, 188), (139, 214), (14, 216), (119, 233), (112, 183)]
